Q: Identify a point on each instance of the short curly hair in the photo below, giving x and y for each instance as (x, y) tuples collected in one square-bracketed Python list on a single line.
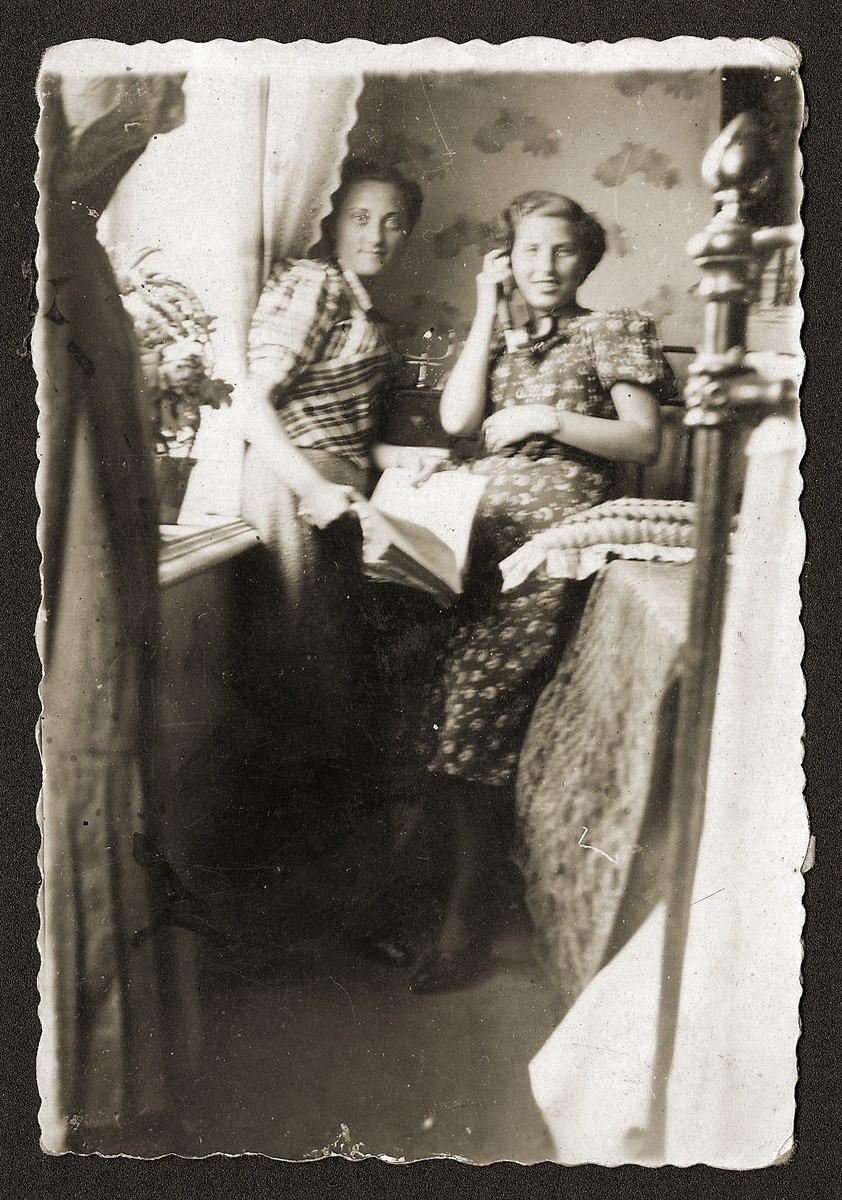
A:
[(357, 170), (590, 235)]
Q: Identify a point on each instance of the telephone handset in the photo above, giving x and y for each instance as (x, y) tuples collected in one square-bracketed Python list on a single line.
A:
[(515, 339)]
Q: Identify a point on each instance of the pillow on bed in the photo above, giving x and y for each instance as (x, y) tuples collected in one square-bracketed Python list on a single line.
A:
[(651, 530)]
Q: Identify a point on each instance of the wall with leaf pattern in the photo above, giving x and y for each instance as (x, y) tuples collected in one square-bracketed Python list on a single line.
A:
[(628, 147)]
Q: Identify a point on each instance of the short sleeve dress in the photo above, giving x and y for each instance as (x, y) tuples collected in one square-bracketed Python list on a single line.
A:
[(504, 646)]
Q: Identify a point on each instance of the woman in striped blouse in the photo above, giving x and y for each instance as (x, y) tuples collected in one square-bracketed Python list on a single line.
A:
[(319, 360)]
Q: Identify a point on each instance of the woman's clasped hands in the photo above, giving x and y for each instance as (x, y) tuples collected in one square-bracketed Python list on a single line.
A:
[(508, 426)]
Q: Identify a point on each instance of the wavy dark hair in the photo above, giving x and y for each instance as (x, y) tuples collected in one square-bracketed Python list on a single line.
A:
[(357, 170), (590, 236)]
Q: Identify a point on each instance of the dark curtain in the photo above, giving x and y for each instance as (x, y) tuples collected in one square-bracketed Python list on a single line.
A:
[(116, 1052)]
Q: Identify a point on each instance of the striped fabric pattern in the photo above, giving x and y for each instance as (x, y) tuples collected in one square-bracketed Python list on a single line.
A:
[(334, 406), (315, 337)]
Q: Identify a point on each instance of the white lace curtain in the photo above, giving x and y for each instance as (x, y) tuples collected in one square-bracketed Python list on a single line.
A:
[(247, 179), (308, 120)]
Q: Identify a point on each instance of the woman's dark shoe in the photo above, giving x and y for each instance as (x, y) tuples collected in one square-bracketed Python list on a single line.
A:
[(446, 971), (383, 948)]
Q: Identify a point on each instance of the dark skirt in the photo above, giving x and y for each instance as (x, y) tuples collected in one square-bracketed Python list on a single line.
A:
[(308, 651)]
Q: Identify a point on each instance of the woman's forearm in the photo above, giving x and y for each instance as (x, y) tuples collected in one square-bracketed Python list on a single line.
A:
[(464, 396), (635, 437), (623, 441), (385, 454), (264, 430)]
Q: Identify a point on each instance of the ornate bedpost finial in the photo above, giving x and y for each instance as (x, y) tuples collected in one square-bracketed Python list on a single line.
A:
[(736, 165), (736, 170), (730, 254)]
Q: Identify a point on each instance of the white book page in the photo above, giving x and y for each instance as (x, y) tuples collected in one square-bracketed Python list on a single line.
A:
[(445, 504)]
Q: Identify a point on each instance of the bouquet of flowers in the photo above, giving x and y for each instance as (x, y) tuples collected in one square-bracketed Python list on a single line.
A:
[(174, 337)]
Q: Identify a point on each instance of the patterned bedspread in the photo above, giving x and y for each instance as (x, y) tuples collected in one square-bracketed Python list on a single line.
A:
[(593, 772)]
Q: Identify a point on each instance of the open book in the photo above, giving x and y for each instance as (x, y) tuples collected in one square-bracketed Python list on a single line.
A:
[(420, 536)]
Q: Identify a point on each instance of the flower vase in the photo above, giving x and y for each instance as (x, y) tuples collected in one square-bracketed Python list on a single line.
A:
[(172, 476)]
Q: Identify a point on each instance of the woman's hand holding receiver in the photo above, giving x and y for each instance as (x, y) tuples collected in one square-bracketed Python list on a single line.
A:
[(511, 425), (463, 399), (494, 280)]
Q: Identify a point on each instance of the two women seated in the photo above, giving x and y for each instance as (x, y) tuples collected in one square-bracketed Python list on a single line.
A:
[(555, 407)]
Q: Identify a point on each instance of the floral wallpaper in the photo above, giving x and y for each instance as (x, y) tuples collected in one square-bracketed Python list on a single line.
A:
[(628, 147)]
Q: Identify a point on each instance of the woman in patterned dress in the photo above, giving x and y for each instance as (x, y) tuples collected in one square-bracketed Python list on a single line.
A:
[(319, 360), (554, 415)]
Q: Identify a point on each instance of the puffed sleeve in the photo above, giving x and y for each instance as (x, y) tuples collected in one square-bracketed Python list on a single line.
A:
[(293, 319), (627, 349)]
